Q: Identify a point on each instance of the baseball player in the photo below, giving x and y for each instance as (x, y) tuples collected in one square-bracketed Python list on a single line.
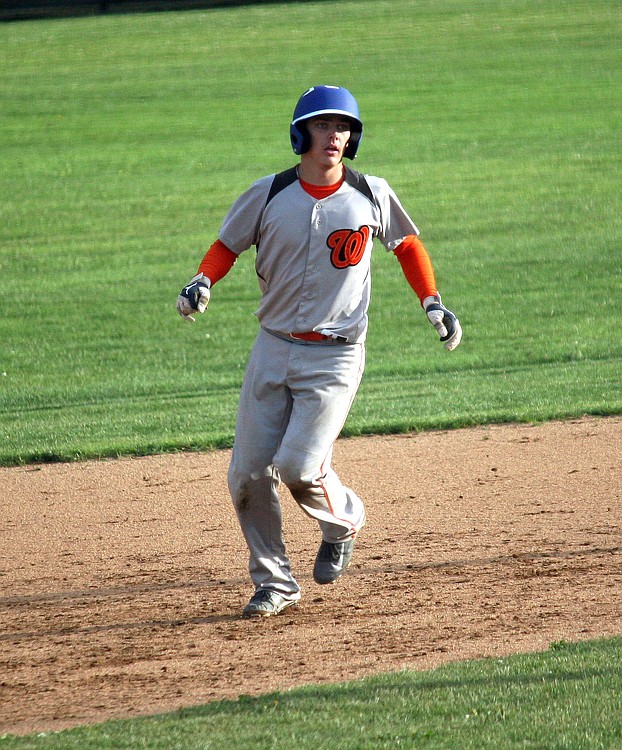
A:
[(313, 227)]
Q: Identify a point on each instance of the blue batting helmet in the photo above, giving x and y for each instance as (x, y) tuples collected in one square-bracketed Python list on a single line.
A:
[(325, 100)]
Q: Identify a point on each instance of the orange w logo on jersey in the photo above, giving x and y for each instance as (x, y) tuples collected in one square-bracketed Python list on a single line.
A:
[(348, 246)]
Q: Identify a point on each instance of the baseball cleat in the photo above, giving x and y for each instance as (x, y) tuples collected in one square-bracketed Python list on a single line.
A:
[(332, 559), (266, 603)]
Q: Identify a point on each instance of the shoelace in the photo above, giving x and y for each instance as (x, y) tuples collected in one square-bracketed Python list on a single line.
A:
[(262, 595)]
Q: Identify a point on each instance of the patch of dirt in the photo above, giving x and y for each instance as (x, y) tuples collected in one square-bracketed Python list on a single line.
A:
[(122, 582)]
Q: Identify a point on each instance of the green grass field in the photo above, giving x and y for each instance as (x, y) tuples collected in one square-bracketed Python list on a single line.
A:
[(124, 139)]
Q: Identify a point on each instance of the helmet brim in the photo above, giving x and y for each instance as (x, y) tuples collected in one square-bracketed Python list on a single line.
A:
[(320, 112)]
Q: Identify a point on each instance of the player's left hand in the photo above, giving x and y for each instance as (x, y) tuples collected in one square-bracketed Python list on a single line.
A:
[(445, 322), (194, 297)]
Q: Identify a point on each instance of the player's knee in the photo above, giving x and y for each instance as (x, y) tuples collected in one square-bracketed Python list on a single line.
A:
[(245, 485), (292, 473)]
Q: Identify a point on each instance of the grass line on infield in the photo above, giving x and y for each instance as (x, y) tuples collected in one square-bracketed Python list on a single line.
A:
[(394, 402), (567, 698)]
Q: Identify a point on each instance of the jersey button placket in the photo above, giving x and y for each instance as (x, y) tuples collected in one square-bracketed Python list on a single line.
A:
[(310, 278)]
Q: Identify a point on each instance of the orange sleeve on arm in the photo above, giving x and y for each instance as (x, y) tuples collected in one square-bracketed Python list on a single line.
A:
[(218, 261), (417, 266)]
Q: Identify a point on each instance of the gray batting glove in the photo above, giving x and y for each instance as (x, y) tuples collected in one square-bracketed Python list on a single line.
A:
[(445, 322), (194, 297)]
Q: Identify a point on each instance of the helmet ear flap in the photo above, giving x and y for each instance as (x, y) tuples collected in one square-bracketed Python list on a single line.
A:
[(353, 144), (301, 140)]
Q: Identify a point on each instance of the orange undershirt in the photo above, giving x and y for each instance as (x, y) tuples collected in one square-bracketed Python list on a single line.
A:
[(411, 254), (417, 266), (320, 191), (218, 261)]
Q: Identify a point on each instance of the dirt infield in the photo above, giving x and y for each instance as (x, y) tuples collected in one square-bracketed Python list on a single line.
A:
[(122, 582)]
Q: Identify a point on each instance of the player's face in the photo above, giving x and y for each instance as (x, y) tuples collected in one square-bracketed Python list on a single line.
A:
[(329, 137)]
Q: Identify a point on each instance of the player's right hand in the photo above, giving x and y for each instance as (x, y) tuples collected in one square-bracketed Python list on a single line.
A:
[(194, 297)]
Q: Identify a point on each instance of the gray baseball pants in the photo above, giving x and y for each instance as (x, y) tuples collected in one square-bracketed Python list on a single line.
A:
[(294, 401)]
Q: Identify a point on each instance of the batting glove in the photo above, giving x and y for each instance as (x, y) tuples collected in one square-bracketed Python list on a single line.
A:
[(445, 322), (194, 297)]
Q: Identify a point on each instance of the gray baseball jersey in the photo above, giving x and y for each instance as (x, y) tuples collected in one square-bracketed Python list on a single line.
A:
[(313, 256)]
